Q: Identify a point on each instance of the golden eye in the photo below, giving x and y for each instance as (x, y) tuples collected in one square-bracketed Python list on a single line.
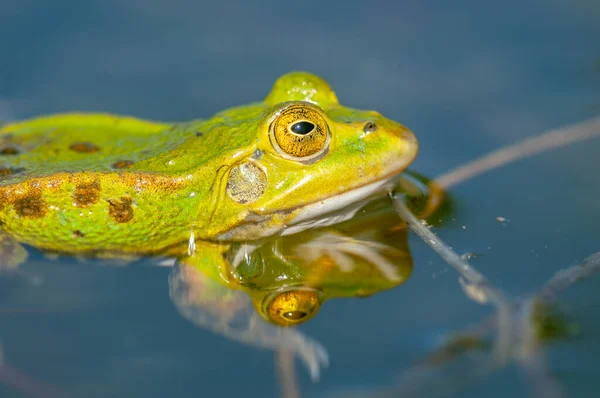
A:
[(291, 307), (300, 132)]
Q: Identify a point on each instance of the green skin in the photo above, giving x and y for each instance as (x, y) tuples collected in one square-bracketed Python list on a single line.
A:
[(110, 186), (113, 186)]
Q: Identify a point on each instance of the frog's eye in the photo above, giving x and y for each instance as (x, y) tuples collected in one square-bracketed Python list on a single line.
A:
[(291, 307), (300, 132)]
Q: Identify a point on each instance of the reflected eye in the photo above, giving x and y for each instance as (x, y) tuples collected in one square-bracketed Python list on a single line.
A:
[(300, 132), (294, 315), (291, 307)]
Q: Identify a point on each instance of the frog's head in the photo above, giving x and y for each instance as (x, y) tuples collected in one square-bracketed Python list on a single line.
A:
[(310, 161)]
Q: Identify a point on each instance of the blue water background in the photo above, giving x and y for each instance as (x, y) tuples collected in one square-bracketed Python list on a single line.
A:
[(466, 76)]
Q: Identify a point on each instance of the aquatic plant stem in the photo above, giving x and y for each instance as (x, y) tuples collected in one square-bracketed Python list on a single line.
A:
[(514, 322), (565, 278), (517, 336), (286, 374), (530, 147), (477, 287), (529, 354)]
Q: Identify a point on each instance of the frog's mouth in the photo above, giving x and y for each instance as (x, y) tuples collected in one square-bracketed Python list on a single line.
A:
[(338, 208), (321, 213)]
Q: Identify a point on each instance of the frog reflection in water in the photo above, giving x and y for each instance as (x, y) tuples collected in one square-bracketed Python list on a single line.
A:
[(206, 192), (287, 279)]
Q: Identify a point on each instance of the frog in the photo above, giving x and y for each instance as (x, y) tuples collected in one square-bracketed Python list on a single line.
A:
[(101, 184), (207, 192)]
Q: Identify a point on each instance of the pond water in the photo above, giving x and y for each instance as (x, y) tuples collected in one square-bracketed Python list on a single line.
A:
[(466, 77)]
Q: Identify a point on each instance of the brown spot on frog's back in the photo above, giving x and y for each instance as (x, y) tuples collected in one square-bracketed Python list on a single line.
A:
[(122, 164), (30, 205), (121, 210), (9, 150), (84, 147), (86, 194), (7, 171), (78, 234)]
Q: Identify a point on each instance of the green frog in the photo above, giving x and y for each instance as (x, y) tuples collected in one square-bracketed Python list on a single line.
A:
[(209, 192), (99, 184)]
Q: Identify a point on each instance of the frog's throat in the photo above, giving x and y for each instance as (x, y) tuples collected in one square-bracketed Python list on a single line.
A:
[(338, 208)]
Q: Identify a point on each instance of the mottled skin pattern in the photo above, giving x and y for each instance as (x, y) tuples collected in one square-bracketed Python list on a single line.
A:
[(99, 183)]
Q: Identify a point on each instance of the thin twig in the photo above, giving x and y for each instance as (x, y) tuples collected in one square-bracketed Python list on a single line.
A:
[(533, 146), (530, 357), (286, 374), (564, 278), (469, 273), (517, 337)]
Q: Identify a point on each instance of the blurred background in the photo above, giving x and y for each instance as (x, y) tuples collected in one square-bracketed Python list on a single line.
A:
[(467, 77)]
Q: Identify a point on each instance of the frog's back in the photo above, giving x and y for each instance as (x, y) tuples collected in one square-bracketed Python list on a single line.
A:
[(67, 181), (77, 143)]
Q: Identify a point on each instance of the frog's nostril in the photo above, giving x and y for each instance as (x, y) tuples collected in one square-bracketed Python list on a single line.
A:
[(369, 127)]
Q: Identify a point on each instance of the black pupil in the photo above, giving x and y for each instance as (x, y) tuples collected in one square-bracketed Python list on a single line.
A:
[(294, 315), (302, 128)]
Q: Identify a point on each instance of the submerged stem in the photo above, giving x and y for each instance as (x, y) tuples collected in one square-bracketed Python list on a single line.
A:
[(286, 374), (470, 274), (457, 262), (516, 337), (564, 278)]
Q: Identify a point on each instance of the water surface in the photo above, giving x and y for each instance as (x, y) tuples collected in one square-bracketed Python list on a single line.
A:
[(466, 77)]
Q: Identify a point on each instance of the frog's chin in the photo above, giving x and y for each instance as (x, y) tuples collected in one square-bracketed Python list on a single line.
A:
[(338, 208), (321, 213)]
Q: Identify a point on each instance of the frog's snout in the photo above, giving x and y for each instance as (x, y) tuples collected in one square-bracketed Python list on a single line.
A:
[(396, 130), (405, 135)]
